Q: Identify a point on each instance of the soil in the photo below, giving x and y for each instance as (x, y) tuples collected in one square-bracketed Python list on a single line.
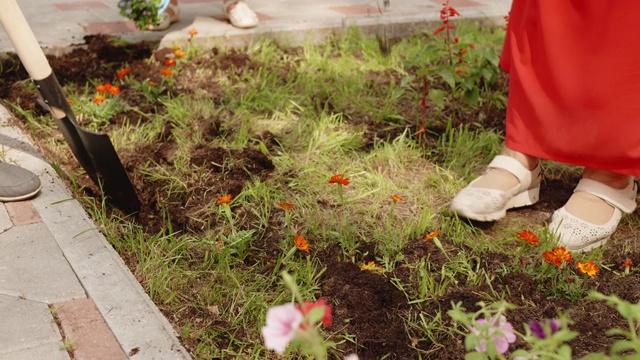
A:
[(369, 306)]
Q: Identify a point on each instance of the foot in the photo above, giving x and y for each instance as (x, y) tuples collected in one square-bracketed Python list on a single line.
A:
[(168, 17), (592, 214), (507, 184), (240, 14), (17, 183)]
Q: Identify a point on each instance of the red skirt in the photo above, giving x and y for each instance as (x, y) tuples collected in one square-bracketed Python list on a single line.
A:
[(574, 92)]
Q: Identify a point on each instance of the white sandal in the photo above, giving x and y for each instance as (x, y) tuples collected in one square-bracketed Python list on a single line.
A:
[(166, 19), (579, 235), (483, 204), (241, 15)]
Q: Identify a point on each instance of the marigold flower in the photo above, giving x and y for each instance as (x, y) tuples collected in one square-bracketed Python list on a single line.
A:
[(371, 266), (552, 258), (123, 72), (224, 199), (166, 72), (339, 179), (563, 253), (170, 62), (432, 235), (308, 306), (588, 267), (179, 54), (177, 48), (193, 32), (101, 88), (301, 243), (99, 99), (286, 205), (113, 90), (396, 198), (529, 237), (151, 83), (627, 264)]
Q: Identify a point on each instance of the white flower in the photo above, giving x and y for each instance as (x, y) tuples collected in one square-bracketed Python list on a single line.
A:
[(352, 357), (283, 322)]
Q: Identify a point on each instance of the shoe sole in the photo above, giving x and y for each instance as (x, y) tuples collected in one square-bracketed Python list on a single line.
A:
[(522, 199), (588, 247), (21, 197)]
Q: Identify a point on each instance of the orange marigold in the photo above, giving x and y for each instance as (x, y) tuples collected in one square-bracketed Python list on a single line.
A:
[(529, 237), (371, 266), (113, 90), (166, 72), (179, 54), (101, 88), (432, 235), (99, 99), (396, 198), (627, 264), (193, 32), (301, 243), (224, 199), (123, 72), (339, 179), (588, 267), (170, 62), (286, 205), (563, 254), (552, 258)]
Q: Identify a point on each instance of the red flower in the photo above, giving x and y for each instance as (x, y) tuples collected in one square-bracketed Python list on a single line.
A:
[(308, 306), (122, 73), (170, 62), (339, 179), (528, 237)]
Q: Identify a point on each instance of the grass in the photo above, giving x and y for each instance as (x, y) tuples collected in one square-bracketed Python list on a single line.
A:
[(217, 279)]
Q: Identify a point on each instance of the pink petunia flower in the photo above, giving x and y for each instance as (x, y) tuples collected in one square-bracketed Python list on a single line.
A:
[(500, 332), (283, 321)]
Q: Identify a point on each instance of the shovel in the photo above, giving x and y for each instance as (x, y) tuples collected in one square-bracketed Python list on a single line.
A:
[(94, 151)]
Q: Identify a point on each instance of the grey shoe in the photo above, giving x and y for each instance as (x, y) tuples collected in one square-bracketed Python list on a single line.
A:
[(17, 183)]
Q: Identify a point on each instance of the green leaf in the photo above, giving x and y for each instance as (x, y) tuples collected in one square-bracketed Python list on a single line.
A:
[(471, 96), (447, 76), (475, 356), (437, 96)]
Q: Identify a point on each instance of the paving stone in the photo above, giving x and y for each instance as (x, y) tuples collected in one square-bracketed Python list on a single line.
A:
[(25, 324), (49, 351), (22, 212), (85, 328), (5, 220), (51, 280)]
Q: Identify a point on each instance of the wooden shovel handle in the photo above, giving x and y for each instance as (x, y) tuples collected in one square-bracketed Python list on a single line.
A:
[(23, 40)]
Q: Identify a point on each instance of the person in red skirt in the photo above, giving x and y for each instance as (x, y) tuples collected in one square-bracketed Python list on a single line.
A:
[(574, 97)]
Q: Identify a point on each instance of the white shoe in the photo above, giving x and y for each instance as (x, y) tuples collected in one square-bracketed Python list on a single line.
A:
[(240, 15), (482, 204), (579, 235)]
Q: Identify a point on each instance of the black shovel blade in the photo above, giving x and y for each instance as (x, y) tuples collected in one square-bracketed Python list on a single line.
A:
[(109, 172), (94, 151)]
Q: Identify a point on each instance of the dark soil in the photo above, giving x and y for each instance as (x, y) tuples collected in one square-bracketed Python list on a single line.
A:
[(365, 304)]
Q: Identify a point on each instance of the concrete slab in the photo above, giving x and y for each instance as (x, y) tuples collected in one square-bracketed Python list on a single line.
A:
[(5, 220), (51, 280), (26, 324), (49, 351)]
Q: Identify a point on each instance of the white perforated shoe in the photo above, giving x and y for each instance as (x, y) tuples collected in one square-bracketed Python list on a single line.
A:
[(579, 235), (482, 204)]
